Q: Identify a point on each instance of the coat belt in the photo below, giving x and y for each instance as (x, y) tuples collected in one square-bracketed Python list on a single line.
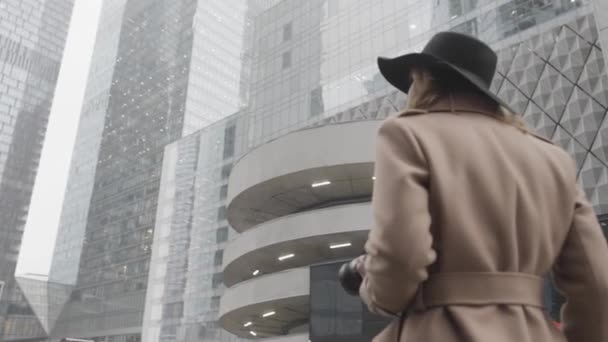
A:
[(480, 288)]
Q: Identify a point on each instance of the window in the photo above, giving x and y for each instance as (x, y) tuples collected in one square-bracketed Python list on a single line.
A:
[(287, 31), (334, 315), (460, 7), (168, 330), (223, 192), (173, 310), (139, 286), (221, 213), (468, 27), (333, 8), (455, 8), (286, 59), (316, 102), (215, 302), (221, 235), (218, 258), (216, 280), (517, 15), (229, 134), (226, 171)]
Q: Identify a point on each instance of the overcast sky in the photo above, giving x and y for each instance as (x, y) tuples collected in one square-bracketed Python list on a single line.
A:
[(49, 189)]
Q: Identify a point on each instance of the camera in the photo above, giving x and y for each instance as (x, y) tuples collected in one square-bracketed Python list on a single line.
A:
[(349, 277)]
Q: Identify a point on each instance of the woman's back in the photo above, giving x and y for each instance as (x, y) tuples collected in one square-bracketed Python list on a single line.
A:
[(502, 200), (472, 213)]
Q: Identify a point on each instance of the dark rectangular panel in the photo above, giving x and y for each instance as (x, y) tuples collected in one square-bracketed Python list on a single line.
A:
[(336, 316)]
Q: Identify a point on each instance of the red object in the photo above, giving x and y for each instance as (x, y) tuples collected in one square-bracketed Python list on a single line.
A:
[(558, 325)]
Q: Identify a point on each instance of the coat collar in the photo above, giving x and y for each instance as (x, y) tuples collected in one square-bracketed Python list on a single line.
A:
[(464, 103)]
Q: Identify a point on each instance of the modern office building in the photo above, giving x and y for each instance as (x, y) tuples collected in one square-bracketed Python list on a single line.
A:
[(255, 211), (160, 70), (32, 39)]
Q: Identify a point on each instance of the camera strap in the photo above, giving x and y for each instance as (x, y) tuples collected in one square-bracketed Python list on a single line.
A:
[(401, 324)]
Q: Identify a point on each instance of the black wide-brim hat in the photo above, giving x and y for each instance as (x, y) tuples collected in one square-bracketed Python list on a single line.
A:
[(448, 54)]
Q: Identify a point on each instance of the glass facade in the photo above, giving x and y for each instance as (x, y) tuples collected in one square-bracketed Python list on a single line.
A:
[(144, 222), (45, 298), (336, 315), (70, 235), (216, 76), (313, 63), (160, 70), (114, 259), (32, 38), (22, 322), (185, 281), (327, 62), (191, 229)]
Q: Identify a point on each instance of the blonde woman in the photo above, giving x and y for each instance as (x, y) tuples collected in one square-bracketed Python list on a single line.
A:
[(472, 211)]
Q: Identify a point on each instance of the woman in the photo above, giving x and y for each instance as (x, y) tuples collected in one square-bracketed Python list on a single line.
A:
[(472, 211)]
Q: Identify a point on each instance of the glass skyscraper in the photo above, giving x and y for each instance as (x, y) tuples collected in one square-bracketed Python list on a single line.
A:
[(313, 68), (32, 39), (161, 69), (185, 99)]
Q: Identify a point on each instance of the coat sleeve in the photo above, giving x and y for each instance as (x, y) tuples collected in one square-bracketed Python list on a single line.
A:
[(581, 274), (399, 247)]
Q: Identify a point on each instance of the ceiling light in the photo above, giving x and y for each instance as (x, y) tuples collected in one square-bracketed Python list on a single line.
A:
[(268, 314), (253, 333), (374, 178), (286, 256), (340, 245), (413, 26), (256, 272), (247, 324), (323, 183)]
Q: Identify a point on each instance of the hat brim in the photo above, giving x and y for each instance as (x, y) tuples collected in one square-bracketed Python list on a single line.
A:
[(397, 72)]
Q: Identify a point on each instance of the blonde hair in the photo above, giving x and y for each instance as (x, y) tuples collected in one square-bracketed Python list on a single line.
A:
[(426, 90)]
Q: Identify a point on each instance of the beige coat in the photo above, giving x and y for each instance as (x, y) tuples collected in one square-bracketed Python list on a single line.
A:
[(463, 192)]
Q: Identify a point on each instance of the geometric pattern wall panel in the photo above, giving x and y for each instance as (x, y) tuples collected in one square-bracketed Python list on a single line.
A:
[(594, 179), (552, 92), (496, 83), (570, 53), (563, 72), (513, 96), (399, 100), (368, 108), (505, 58), (585, 27), (568, 143), (539, 121), (385, 110), (525, 69), (600, 146), (594, 78), (378, 109), (583, 117), (542, 45)]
